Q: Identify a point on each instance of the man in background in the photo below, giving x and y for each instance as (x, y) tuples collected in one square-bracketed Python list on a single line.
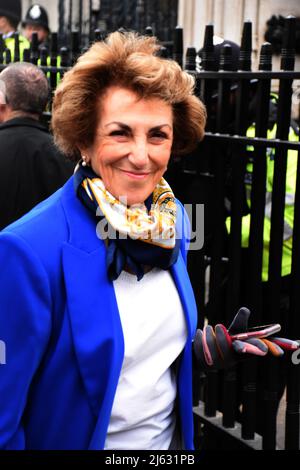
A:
[(36, 21), (31, 168)]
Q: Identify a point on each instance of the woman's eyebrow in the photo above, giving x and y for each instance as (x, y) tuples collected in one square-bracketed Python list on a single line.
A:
[(157, 128), (128, 128), (120, 124)]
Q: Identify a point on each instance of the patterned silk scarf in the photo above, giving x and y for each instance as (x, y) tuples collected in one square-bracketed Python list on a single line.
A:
[(138, 236)]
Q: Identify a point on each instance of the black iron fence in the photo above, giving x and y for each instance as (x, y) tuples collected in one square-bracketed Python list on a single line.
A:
[(225, 275), (236, 408), (110, 15)]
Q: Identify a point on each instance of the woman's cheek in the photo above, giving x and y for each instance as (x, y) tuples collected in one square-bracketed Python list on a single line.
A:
[(113, 152)]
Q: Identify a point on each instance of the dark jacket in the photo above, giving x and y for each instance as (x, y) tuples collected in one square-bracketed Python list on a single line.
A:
[(31, 168)]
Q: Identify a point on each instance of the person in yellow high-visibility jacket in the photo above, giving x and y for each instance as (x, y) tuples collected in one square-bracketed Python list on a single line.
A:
[(10, 44), (292, 158), (10, 16), (36, 21)]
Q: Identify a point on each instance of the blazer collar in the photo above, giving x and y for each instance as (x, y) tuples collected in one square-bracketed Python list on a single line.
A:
[(81, 222), (91, 305)]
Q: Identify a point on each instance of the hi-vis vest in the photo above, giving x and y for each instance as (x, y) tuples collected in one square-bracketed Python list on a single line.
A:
[(25, 44), (10, 44), (289, 203)]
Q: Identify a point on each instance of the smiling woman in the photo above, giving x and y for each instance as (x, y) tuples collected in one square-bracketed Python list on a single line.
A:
[(99, 326)]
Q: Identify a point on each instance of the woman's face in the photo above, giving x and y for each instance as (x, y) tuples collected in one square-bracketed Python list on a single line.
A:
[(132, 144)]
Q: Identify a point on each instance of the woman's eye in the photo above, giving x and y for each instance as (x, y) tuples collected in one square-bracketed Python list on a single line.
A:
[(158, 136), (118, 133)]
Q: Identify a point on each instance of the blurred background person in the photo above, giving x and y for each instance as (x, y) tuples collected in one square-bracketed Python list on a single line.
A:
[(36, 21), (10, 17), (31, 168)]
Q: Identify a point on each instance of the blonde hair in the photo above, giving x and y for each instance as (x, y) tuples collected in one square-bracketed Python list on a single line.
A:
[(130, 61)]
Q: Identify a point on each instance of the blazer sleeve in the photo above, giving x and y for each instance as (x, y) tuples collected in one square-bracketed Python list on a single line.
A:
[(25, 321)]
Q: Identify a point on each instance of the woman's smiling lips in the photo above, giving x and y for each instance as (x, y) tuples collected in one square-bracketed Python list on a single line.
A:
[(135, 174)]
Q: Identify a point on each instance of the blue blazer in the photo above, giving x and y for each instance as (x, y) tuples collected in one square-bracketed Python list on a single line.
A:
[(62, 332)]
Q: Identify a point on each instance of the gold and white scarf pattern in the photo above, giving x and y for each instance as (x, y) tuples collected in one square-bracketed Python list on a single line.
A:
[(158, 226)]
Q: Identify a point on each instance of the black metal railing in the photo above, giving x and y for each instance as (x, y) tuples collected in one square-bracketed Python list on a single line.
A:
[(226, 138)]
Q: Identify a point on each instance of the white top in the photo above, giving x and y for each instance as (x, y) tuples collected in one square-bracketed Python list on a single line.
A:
[(155, 333)]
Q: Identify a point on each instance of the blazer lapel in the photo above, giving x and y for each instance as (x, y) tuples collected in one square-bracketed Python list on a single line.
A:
[(186, 294), (92, 307), (185, 370)]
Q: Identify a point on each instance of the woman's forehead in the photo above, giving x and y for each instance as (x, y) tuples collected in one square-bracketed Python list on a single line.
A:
[(121, 102)]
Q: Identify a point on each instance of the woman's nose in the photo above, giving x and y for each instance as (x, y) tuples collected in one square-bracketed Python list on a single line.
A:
[(138, 155)]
